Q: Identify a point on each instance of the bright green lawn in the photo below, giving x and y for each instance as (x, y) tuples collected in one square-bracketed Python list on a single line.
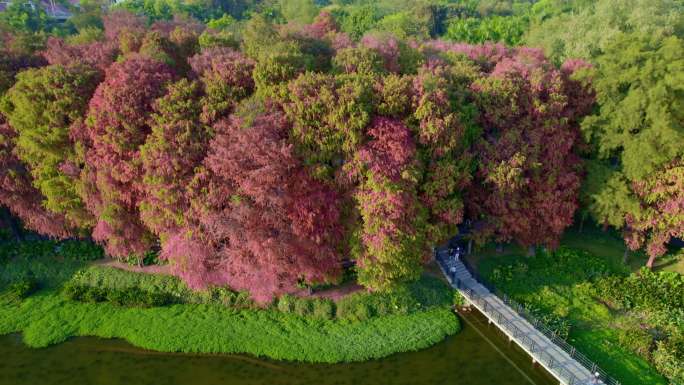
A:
[(46, 317), (561, 286), (606, 244)]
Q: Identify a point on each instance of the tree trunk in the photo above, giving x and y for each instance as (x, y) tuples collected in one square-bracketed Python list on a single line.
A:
[(650, 261), (470, 246), (499, 248), (625, 256), (531, 251), (581, 226)]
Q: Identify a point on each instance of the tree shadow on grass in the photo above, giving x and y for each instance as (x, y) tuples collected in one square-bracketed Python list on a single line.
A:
[(49, 263)]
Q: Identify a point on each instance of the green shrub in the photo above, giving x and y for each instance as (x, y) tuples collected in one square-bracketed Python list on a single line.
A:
[(323, 309), (660, 291), (354, 307), (610, 290), (634, 337), (112, 278), (149, 258), (27, 249), (557, 323), (242, 300), (93, 295), (303, 307), (669, 359), (74, 291), (403, 299), (130, 297), (17, 291), (79, 250), (226, 297), (117, 297), (152, 299), (286, 304), (458, 299)]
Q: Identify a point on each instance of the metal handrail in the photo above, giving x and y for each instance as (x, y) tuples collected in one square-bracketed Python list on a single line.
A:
[(539, 325)]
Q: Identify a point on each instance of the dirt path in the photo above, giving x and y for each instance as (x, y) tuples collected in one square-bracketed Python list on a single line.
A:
[(333, 293)]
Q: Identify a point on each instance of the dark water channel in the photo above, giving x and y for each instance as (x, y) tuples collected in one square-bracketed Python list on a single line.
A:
[(478, 355)]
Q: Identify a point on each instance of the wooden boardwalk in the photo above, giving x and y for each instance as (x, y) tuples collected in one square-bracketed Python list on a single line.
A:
[(560, 359)]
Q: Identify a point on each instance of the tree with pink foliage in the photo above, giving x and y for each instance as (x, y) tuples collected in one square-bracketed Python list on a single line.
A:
[(485, 55), (118, 124), (323, 25), (528, 169), (398, 57), (120, 21), (271, 226), (97, 54), (391, 240), (661, 217), (446, 130), (226, 76)]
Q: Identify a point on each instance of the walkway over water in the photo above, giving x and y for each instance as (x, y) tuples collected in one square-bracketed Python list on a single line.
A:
[(560, 359)]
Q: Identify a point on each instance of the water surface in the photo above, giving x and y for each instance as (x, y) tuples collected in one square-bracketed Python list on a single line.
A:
[(478, 355)]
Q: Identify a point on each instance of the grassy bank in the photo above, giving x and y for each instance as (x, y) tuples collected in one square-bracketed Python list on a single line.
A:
[(561, 288), (360, 327)]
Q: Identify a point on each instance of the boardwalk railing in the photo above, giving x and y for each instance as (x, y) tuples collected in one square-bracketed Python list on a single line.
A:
[(529, 344)]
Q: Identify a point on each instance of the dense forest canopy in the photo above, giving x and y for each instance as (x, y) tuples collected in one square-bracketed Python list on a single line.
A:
[(258, 144)]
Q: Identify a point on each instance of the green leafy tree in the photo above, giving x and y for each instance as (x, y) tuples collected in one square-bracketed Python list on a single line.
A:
[(24, 17), (299, 11), (505, 29), (404, 25), (584, 30), (88, 15), (258, 36), (41, 107), (358, 20), (639, 88), (171, 153), (329, 114)]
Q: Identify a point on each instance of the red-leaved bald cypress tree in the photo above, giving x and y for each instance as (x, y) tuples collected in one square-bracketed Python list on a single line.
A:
[(226, 76), (661, 196), (264, 224), (529, 173), (119, 121), (446, 130), (391, 234), (19, 195), (99, 55), (175, 147)]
